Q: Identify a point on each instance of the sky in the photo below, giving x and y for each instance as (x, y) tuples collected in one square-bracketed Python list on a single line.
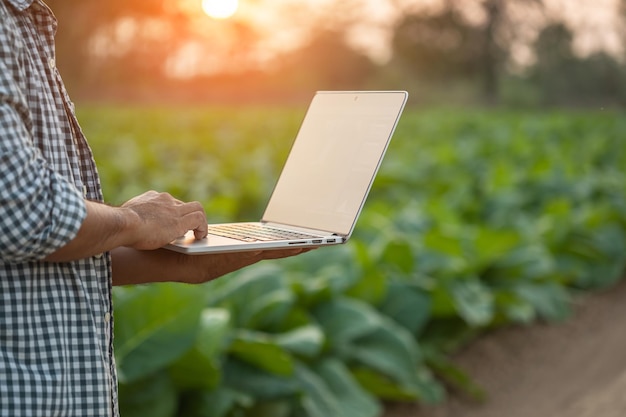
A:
[(276, 26), (596, 21)]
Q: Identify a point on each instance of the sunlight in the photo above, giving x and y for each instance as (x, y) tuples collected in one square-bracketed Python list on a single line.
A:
[(220, 9)]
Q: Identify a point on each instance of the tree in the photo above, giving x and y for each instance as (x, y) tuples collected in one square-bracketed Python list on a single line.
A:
[(438, 47), (564, 78), (555, 62), (448, 45), (100, 41), (128, 45), (327, 62)]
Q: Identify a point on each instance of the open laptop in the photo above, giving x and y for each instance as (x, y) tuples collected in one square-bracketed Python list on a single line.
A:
[(325, 181)]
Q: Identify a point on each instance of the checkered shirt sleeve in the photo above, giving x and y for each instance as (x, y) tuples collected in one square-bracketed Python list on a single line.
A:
[(40, 211), (56, 348)]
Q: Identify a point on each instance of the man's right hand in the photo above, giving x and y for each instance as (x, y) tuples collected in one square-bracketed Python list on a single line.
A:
[(160, 218), (148, 221)]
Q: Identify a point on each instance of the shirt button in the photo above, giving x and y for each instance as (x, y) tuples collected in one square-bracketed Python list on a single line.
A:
[(98, 255), (107, 317), (51, 63)]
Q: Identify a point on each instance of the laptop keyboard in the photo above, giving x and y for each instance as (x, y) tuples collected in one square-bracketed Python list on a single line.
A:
[(252, 232)]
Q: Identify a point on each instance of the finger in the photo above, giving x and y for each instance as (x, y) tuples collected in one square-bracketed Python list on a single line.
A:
[(201, 232), (190, 207), (197, 222)]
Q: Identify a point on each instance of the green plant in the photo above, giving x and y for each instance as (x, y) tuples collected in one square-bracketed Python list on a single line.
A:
[(477, 219)]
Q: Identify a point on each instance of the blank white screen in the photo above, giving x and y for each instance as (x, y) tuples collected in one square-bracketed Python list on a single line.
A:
[(334, 160)]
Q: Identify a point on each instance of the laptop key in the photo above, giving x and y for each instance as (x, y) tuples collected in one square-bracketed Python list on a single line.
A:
[(254, 232)]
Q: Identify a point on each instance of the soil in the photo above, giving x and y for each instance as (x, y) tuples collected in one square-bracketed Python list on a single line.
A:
[(576, 368)]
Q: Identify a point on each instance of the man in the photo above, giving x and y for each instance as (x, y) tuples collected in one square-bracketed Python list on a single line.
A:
[(61, 249)]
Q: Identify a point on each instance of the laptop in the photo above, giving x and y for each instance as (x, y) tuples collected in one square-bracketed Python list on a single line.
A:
[(324, 182)]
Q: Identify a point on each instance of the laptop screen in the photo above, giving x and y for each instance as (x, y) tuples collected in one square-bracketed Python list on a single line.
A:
[(334, 160)]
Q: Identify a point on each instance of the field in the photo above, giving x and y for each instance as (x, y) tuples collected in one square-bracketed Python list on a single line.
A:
[(478, 219)]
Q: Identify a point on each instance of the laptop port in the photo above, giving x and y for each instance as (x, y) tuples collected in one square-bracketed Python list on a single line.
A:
[(317, 241), (331, 240)]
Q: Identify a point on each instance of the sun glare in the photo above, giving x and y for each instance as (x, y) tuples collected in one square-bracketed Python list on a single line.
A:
[(220, 9)]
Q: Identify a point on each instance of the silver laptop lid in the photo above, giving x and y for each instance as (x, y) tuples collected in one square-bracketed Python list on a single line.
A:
[(334, 159)]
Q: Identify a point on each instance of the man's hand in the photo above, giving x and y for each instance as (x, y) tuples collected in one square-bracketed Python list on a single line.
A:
[(161, 218), (214, 266), (148, 221), (132, 266)]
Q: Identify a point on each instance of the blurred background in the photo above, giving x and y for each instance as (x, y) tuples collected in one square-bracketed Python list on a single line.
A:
[(513, 52), (501, 202)]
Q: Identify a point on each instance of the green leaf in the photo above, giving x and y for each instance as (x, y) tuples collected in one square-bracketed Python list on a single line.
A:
[(195, 371), (527, 262), (444, 243), (344, 320), (317, 399), (214, 403), (399, 254), (371, 287), (389, 349), (456, 377), (551, 301), (215, 325), (312, 290), (272, 409), (151, 396), (269, 309), (382, 386), (352, 398), (155, 325), (516, 309), (200, 366), (257, 383), (425, 389), (299, 316), (491, 244), (408, 306), (260, 350), (259, 291), (443, 304), (306, 341), (327, 273), (474, 301)]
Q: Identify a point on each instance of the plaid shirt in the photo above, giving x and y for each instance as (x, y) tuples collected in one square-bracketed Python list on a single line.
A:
[(56, 353)]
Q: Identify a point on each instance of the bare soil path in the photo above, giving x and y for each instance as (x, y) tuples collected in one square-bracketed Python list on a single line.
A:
[(572, 369)]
